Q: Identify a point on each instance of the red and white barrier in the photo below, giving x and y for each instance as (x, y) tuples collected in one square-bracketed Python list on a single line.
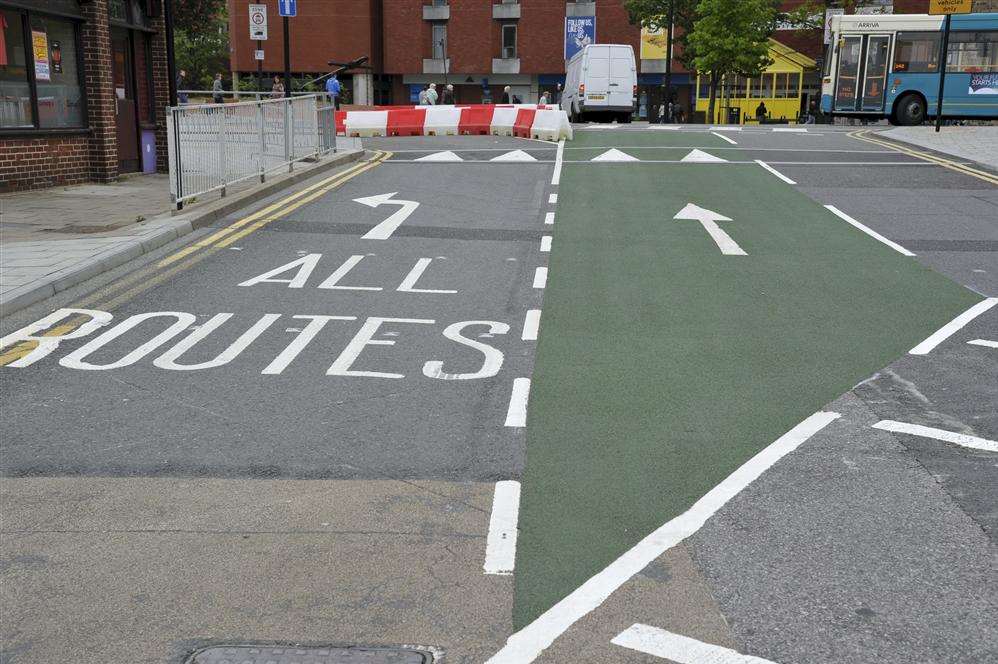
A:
[(544, 122)]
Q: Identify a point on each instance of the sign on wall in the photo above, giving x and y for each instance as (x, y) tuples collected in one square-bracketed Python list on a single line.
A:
[(40, 48), (580, 31), (258, 22)]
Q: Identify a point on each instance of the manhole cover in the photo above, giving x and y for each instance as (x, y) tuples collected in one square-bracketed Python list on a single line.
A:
[(264, 654)]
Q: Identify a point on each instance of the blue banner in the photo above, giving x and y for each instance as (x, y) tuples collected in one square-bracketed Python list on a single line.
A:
[(580, 31)]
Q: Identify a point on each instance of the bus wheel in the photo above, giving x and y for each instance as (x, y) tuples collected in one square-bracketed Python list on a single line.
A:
[(910, 110)]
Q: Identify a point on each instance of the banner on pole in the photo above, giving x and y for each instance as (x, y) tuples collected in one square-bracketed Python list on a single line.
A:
[(580, 31)]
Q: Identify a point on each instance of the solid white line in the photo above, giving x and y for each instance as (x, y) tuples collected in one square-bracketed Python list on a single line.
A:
[(516, 415), (987, 343), (531, 323), (527, 644), (500, 548), (724, 137), (713, 129), (869, 231), (558, 158), (540, 277), (684, 650), (798, 130), (545, 243), (549, 218), (553, 199), (774, 171), (950, 328), (961, 439)]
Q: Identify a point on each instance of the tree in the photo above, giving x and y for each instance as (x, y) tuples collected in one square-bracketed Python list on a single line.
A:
[(192, 16), (201, 40), (652, 14), (731, 37)]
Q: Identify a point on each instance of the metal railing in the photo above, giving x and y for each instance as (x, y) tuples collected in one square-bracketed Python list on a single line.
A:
[(240, 95), (213, 146)]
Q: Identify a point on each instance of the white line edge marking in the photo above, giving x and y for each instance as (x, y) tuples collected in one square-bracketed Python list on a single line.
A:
[(549, 218), (531, 324), (869, 231), (722, 136), (553, 199), (950, 328), (516, 415), (540, 277), (774, 171), (678, 648), (545, 244), (527, 644), (558, 159), (961, 439), (987, 343), (500, 547)]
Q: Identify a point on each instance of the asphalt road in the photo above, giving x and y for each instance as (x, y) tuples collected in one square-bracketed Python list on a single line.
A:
[(320, 466)]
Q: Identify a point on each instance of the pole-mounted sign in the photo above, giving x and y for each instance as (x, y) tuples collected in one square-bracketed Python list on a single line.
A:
[(258, 22), (287, 7), (948, 7)]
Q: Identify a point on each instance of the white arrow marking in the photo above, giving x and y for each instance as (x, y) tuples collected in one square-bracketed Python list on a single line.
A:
[(614, 155), (441, 156), (515, 155), (703, 157), (708, 219), (384, 230)]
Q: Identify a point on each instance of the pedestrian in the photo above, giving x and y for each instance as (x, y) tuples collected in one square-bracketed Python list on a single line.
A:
[(181, 85), (544, 99), (431, 95), (422, 96), (557, 94), (217, 90), (333, 89), (812, 113), (760, 112), (277, 89), (448, 96), (506, 96)]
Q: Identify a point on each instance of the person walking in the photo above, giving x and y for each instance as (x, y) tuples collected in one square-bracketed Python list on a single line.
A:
[(181, 84), (277, 89), (422, 96), (506, 97), (557, 94), (448, 96), (217, 90), (544, 99), (431, 95), (333, 89), (760, 112)]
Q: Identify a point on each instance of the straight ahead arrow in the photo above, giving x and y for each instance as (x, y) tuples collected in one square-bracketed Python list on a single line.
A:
[(384, 230), (708, 219)]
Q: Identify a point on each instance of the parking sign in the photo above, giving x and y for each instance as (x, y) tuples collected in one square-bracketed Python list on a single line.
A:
[(258, 22)]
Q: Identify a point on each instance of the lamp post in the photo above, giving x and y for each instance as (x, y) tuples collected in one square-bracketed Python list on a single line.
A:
[(443, 50)]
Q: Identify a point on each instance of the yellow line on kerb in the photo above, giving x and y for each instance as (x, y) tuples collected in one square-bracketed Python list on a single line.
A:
[(864, 135), (154, 275)]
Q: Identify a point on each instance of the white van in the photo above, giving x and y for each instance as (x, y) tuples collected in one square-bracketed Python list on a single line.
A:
[(602, 80)]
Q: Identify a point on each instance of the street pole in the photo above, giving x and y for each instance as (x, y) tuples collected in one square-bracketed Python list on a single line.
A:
[(171, 60), (943, 50), (668, 61), (287, 59), (443, 47), (259, 69)]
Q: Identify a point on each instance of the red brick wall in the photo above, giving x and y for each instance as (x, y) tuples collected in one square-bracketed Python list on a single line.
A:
[(44, 161), (96, 44)]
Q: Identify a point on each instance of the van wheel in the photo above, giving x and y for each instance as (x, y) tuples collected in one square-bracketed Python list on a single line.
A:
[(910, 110), (625, 118)]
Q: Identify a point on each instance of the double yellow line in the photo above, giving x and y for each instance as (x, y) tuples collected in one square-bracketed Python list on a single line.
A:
[(864, 135), (142, 280)]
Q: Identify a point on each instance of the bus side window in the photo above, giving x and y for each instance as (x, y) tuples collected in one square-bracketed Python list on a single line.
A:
[(916, 52), (973, 52)]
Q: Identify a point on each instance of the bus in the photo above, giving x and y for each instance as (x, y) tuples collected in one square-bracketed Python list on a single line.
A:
[(887, 66)]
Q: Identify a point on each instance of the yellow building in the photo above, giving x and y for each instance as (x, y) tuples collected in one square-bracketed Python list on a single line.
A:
[(779, 87)]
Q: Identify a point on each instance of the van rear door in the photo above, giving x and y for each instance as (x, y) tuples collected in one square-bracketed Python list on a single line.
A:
[(622, 77), (597, 77)]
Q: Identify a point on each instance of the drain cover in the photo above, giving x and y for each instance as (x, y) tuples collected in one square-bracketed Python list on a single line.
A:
[(264, 654)]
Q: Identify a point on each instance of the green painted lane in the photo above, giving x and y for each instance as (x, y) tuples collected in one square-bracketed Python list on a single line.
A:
[(650, 138), (663, 365)]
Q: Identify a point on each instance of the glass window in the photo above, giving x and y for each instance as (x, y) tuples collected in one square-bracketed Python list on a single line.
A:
[(738, 87), (509, 41), (972, 52), (439, 40), (916, 52), (15, 93), (762, 86), (60, 100), (781, 86), (703, 89)]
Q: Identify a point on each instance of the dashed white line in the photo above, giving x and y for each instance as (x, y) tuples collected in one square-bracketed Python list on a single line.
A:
[(682, 649), (531, 324), (987, 343), (500, 548), (545, 243), (950, 328), (516, 415), (540, 277), (869, 231), (558, 159), (553, 199), (961, 439), (527, 644), (549, 218), (722, 136), (774, 171)]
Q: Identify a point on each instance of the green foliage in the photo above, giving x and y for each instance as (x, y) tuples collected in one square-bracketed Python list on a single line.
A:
[(193, 16), (201, 41), (653, 14)]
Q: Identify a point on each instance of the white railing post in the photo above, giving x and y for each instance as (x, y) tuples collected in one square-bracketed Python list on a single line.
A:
[(288, 136), (221, 150), (263, 141)]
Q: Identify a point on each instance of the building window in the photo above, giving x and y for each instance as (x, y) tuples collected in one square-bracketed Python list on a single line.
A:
[(916, 52), (738, 87), (762, 87), (973, 52), (39, 72), (439, 41), (509, 41), (787, 85), (440, 3)]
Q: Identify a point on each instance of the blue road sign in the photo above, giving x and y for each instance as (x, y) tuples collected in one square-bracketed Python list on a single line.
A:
[(287, 7)]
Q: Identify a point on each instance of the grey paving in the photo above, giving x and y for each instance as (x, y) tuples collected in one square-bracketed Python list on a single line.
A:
[(977, 143)]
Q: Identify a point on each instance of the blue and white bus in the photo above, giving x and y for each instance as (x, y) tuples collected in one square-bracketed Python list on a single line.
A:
[(881, 66)]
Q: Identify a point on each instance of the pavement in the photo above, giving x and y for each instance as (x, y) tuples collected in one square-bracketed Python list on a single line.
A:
[(310, 422), (976, 143)]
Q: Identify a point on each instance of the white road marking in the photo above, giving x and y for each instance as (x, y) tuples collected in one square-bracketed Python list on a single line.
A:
[(774, 171), (725, 128), (545, 243), (332, 281), (987, 343), (553, 199), (723, 137), (614, 154), (384, 230), (531, 323), (527, 644), (950, 328), (559, 157), (408, 284), (540, 277), (447, 155), (515, 155), (700, 156), (869, 231), (708, 219), (500, 548), (681, 649), (315, 325), (549, 218), (658, 126), (795, 130), (961, 439), (516, 415), (493, 357)]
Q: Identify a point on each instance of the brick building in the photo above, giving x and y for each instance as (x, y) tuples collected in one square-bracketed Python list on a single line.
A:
[(83, 88)]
